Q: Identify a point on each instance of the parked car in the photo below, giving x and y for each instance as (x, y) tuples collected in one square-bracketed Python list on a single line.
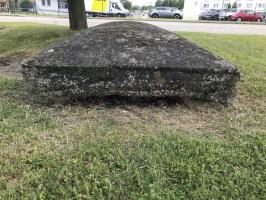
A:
[(263, 16), (166, 12), (247, 15), (211, 14), (178, 14), (227, 13)]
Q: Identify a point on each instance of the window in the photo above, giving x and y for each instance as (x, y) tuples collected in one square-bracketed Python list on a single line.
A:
[(216, 5), (115, 6), (206, 5), (62, 4), (238, 5), (261, 5), (43, 2), (249, 5), (48, 2), (250, 12)]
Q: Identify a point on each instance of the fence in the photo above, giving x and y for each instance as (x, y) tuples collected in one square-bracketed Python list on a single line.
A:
[(32, 11)]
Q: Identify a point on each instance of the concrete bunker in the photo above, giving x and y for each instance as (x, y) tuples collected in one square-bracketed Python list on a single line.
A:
[(130, 59)]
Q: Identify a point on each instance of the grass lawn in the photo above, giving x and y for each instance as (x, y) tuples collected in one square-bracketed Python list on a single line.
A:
[(200, 151)]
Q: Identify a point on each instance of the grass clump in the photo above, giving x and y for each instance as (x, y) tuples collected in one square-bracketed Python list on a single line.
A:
[(204, 151)]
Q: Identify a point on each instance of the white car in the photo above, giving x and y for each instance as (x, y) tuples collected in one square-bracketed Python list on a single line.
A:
[(226, 14), (178, 14)]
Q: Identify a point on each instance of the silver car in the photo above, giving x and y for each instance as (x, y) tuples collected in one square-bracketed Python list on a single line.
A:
[(226, 14), (166, 12)]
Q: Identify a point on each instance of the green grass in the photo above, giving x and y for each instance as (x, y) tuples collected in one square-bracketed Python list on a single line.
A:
[(20, 38), (204, 151), (246, 52)]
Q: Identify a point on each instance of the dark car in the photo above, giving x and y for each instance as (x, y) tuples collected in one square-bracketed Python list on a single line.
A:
[(247, 15), (210, 15)]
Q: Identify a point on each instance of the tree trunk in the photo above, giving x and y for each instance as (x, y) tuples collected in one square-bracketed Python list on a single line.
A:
[(77, 14)]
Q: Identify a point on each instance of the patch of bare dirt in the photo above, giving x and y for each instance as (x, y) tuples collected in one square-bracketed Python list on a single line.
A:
[(10, 66)]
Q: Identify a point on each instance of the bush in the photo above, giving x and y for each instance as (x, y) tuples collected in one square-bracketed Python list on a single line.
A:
[(234, 5), (26, 5)]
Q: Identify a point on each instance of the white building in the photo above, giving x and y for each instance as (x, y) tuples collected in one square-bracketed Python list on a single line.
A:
[(58, 7), (192, 8)]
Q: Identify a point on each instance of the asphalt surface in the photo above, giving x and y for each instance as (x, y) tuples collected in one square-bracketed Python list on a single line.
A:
[(242, 29)]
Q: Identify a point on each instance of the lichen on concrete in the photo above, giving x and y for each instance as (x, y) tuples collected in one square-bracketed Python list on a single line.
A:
[(129, 59)]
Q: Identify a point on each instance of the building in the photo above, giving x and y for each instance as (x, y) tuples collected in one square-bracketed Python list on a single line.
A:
[(12, 6), (192, 8), (58, 7), (9, 5), (3, 5)]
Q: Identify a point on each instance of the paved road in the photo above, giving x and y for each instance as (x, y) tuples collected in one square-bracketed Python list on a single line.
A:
[(248, 29)]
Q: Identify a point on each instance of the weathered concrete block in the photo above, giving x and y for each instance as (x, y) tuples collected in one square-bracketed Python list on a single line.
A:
[(129, 59)]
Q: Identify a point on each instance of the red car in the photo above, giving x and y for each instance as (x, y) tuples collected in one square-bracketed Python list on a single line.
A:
[(246, 15)]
